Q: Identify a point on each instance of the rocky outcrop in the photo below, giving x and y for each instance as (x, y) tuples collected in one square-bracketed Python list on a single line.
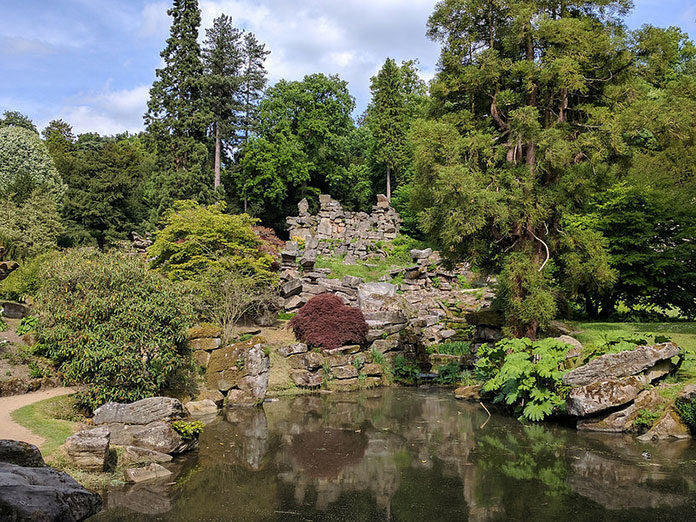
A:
[(34, 491), (13, 310), (669, 426), (144, 411), (615, 380), (468, 393), (623, 420), (203, 407), (240, 371), (136, 454), (157, 436), (89, 449), (150, 472)]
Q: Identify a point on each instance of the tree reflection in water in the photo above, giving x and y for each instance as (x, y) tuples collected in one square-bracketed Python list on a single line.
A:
[(409, 455)]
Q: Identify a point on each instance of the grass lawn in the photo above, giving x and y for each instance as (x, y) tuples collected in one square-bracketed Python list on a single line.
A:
[(681, 333), (369, 271), (40, 418)]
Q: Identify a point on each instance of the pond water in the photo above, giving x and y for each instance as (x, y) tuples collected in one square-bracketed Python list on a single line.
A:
[(410, 455)]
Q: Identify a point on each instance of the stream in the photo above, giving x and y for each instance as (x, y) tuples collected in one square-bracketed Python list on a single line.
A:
[(406, 454)]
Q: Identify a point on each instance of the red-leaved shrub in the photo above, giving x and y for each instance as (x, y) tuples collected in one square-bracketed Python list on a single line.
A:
[(270, 243), (325, 321)]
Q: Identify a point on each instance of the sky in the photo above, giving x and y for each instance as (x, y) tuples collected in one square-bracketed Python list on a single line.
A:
[(92, 62)]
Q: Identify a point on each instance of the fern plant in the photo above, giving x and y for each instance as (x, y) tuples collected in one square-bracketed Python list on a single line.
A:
[(526, 375)]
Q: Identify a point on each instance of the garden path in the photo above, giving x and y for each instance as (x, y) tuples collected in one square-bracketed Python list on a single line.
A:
[(9, 429)]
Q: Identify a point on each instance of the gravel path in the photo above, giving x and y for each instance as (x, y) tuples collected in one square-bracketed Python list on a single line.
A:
[(9, 429)]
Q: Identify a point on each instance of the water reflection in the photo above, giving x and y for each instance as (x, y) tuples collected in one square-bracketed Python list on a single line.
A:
[(411, 455)]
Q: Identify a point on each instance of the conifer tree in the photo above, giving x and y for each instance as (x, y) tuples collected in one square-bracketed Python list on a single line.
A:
[(253, 83), (223, 60), (387, 118)]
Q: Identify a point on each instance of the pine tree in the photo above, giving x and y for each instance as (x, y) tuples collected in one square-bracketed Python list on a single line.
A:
[(177, 118), (223, 60), (387, 118), (253, 83)]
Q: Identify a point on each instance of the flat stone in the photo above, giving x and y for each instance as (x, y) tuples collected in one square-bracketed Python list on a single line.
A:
[(343, 384), (621, 364), (150, 472), (144, 411), (239, 397), (371, 296), (89, 449), (203, 407), (421, 254), (307, 361), (294, 302), (622, 420), (344, 372), (157, 436), (348, 349), (213, 395), (13, 310), (292, 349), (600, 396), (383, 318), (205, 343), (447, 334), (372, 370), (203, 330), (468, 393), (374, 334), (291, 288), (385, 345), (202, 358), (352, 281), (306, 379), (136, 454)]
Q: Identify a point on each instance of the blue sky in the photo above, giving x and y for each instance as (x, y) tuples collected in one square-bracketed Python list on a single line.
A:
[(91, 62)]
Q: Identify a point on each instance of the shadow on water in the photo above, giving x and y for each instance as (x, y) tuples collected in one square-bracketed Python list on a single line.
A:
[(410, 455)]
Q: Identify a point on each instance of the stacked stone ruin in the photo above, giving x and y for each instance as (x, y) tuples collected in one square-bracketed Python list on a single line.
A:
[(334, 231), (407, 310)]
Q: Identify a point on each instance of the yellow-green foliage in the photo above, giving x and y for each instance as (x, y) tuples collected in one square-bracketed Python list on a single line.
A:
[(188, 430), (195, 239)]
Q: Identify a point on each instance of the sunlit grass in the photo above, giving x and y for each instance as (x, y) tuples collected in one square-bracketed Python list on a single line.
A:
[(40, 419)]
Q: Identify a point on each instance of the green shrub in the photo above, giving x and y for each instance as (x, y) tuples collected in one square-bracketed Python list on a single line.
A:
[(524, 374), (110, 323), (285, 316), (24, 282), (27, 324), (449, 374), (3, 325), (404, 371), (37, 372), (687, 411), (196, 239), (646, 419), (188, 430), (451, 348)]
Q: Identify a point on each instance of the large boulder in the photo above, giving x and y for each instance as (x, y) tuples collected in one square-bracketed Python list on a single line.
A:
[(621, 364), (242, 366), (604, 395), (157, 436), (89, 449), (622, 420), (13, 310), (373, 296), (150, 472), (141, 412), (38, 492), (669, 426)]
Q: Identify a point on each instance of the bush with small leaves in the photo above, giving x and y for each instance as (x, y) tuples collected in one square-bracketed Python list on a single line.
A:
[(188, 430), (326, 322)]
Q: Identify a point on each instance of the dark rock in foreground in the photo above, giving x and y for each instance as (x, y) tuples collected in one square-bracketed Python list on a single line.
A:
[(36, 492)]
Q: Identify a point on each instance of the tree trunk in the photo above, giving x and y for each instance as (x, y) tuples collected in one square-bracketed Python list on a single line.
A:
[(531, 145), (389, 183), (245, 204), (217, 156), (590, 305)]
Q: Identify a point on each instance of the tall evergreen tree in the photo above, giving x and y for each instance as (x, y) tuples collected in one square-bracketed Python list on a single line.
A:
[(253, 83), (177, 118), (223, 60), (387, 118)]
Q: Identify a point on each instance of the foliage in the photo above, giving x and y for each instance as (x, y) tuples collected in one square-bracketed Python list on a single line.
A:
[(3, 324), (449, 374), (188, 430), (326, 322), (17, 119), (27, 324), (195, 239), (285, 316), (451, 348), (25, 281), (524, 374), (108, 322), (30, 228), (226, 297), (645, 419), (404, 371), (37, 372), (25, 166), (687, 411)]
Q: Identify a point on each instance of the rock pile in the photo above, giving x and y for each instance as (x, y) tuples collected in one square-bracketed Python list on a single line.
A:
[(609, 392), (334, 231), (30, 490), (7, 267)]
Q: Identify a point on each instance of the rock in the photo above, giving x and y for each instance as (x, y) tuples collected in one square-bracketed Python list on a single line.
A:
[(294, 302), (89, 449), (144, 411), (203, 330), (382, 318), (205, 343), (136, 454), (344, 372), (421, 254), (43, 494), (343, 384), (306, 379), (372, 370), (687, 394), (239, 397), (149, 472), (204, 407), (13, 310), (669, 426), (468, 393), (575, 345), (600, 396), (202, 358), (348, 349), (308, 260), (385, 345), (621, 364), (447, 334), (485, 317), (352, 281), (382, 201), (213, 395), (622, 420), (350, 259), (157, 436), (291, 288), (303, 207), (307, 361), (20, 453), (255, 386), (371, 296), (292, 349)]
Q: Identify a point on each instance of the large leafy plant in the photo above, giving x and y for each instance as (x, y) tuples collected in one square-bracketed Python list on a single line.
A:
[(525, 375)]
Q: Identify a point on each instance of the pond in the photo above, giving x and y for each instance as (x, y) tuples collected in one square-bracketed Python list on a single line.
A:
[(404, 454)]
